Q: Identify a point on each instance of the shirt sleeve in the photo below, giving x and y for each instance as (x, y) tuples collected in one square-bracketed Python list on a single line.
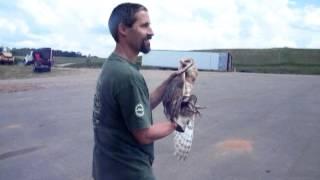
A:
[(135, 106)]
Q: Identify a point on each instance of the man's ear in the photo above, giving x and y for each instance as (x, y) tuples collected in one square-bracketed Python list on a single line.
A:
[(122, 29)]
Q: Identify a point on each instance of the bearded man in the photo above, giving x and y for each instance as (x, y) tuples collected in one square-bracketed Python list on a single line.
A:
[(124, 131)]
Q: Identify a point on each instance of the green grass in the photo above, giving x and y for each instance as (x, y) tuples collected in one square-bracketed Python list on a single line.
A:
[(86, 65), (19, 71), (78, 60), (280, 69), (66, 60)]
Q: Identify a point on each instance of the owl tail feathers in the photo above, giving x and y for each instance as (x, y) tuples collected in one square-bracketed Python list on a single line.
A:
[(183, 142)]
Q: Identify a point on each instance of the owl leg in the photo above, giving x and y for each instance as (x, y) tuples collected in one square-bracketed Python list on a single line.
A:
[(182, 122)]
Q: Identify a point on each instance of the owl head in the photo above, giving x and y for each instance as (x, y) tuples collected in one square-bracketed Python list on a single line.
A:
[(189, 76), (192, 72)]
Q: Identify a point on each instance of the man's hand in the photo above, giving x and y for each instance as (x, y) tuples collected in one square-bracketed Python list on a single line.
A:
[(180, 71)]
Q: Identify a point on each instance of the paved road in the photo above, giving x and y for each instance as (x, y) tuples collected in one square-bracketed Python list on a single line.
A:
[(255, 127)]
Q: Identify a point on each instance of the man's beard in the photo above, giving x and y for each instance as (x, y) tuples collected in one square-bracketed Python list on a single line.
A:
[(145, 48)]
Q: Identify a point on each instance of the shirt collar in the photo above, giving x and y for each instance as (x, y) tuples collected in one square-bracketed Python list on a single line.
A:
[(119, 58)]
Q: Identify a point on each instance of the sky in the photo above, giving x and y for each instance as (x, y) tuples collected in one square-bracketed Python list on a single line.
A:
[(81, 25)]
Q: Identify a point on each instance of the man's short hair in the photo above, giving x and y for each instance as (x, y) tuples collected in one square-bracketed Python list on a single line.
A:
[(123, 13)]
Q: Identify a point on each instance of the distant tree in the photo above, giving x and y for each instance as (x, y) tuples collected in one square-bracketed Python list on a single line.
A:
[(21, 51), (24, 51), (67, 53)]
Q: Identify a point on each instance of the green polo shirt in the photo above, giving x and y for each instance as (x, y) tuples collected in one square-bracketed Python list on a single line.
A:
[(121, 105)]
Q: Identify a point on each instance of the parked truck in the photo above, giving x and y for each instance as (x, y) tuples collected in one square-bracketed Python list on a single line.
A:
[(41, 59), (6, 57)]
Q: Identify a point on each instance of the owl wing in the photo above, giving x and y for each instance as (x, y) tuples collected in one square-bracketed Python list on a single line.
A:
[(172, 99)]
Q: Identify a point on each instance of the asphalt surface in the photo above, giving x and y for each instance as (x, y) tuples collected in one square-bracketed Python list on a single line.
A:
[(255, 127)]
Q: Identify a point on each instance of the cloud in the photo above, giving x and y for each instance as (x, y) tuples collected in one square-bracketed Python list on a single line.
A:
[(312, 16), (180, 25)]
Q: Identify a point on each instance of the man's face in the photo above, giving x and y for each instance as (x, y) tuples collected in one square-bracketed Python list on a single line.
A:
[(141, 33)]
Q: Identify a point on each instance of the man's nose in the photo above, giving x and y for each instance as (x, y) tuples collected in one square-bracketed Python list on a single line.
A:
[(150, 32)]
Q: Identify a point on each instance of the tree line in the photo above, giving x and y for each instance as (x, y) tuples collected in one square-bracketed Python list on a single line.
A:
[(24, 51)]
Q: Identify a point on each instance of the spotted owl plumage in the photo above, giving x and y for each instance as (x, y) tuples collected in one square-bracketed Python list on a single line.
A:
[(180, 106)]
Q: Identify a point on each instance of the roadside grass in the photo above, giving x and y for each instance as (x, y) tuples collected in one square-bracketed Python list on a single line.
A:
[(86, 65), (79, 61), (19, 71), (280, 69)]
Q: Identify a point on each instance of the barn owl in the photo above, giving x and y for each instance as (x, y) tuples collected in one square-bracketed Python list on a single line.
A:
[(180, 106)]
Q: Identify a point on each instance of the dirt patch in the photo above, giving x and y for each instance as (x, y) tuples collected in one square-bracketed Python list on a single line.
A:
[(11, 88), (13, 126), (235, 145)]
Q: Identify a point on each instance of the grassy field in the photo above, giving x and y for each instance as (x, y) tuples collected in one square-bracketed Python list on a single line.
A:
[(79, 62), (19, 71), (72, 61), (275, 60)]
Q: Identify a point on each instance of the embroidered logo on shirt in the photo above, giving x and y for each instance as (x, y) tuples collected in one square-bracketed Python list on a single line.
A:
[(139, 110)]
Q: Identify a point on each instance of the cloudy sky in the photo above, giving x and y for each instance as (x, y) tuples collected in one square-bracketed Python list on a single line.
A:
[(81, 25)]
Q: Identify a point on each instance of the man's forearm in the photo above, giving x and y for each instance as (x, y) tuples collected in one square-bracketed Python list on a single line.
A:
[(161, 130), (155, 132)]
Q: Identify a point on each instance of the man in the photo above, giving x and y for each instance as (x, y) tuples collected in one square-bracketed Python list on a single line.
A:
[(123, 127)]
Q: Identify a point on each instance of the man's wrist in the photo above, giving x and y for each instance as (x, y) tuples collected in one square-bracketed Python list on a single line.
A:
[(174, 125)]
